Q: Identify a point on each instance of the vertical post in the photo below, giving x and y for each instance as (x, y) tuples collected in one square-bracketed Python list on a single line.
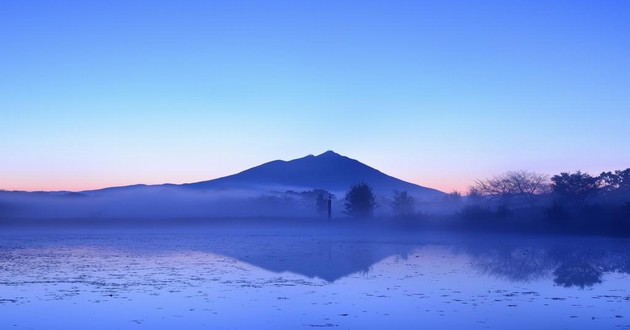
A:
[(329, 207)]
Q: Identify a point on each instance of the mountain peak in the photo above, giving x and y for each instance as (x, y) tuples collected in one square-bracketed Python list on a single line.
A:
[(329, 170), (329, 153)]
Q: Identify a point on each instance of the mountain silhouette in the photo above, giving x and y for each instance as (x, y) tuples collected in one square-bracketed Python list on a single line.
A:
[(272, 189), (330, 171)]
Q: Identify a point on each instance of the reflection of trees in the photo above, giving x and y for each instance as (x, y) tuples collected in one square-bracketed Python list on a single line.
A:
[(616, 262), (515, 264), (569, 263), (578, 266), (577, 272)]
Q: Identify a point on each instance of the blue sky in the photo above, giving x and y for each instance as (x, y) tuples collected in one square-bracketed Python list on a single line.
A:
[(439, 93)]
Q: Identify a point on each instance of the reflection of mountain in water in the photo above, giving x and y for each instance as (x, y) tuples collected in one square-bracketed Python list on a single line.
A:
[(569, 262), (327, 259), (330, 256)]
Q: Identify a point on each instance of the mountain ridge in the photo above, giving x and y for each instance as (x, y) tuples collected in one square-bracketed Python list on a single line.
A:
[(329, 170)]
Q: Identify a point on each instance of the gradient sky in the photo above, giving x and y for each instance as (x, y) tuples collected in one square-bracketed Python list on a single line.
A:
[(439, 93)]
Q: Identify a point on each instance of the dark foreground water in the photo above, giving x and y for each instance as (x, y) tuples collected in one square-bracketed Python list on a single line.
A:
[(311, 277)]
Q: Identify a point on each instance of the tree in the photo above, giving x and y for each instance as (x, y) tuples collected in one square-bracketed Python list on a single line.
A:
[(616, 185), (360, 201), (474, 195), (615, 180), (453, 197), (575, 187), (402, 204), (512, 184)]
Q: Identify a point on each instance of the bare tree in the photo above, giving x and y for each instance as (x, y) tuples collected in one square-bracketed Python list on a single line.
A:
[(474, 194), (402, 204), (528, 183), (453, 197), (512, 184)]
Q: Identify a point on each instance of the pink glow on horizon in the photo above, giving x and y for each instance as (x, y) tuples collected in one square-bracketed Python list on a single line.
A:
[(446, 185)]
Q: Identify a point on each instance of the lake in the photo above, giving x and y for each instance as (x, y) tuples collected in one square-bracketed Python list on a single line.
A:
[(311, 276)]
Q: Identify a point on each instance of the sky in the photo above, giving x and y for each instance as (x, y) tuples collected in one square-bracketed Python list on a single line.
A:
[(439, 93)]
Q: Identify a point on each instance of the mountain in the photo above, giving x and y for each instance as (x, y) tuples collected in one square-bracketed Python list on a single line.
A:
[(330, 171), (258, 191)]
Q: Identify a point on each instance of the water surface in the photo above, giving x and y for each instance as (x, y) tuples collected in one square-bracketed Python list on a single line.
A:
[(236, 278)]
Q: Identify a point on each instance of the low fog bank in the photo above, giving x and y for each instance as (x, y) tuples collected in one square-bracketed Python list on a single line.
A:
[(156, 203), (175, 206), (168, 202)]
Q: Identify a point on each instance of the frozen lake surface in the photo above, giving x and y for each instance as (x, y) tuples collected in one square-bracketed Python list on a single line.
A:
[(225, 277)]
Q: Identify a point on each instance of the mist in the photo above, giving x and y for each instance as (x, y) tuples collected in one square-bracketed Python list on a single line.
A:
[(143, 203)]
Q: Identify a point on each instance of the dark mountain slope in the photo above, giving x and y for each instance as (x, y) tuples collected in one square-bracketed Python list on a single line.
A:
[(329, 171)]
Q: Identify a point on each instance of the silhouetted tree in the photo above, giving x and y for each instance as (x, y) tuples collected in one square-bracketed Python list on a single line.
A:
[(615, 180), (511, 184), (360, 200), (575, 187), (616, 186), (317, 198), (474, 195), (624, 178), (514, 183), (453, 197), (402, 204)]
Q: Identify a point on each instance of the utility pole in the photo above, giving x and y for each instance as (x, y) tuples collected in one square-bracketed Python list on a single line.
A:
[(329, 207)]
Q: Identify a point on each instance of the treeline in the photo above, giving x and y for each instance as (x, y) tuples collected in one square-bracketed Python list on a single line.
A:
[(566, 201), (515, 200)]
